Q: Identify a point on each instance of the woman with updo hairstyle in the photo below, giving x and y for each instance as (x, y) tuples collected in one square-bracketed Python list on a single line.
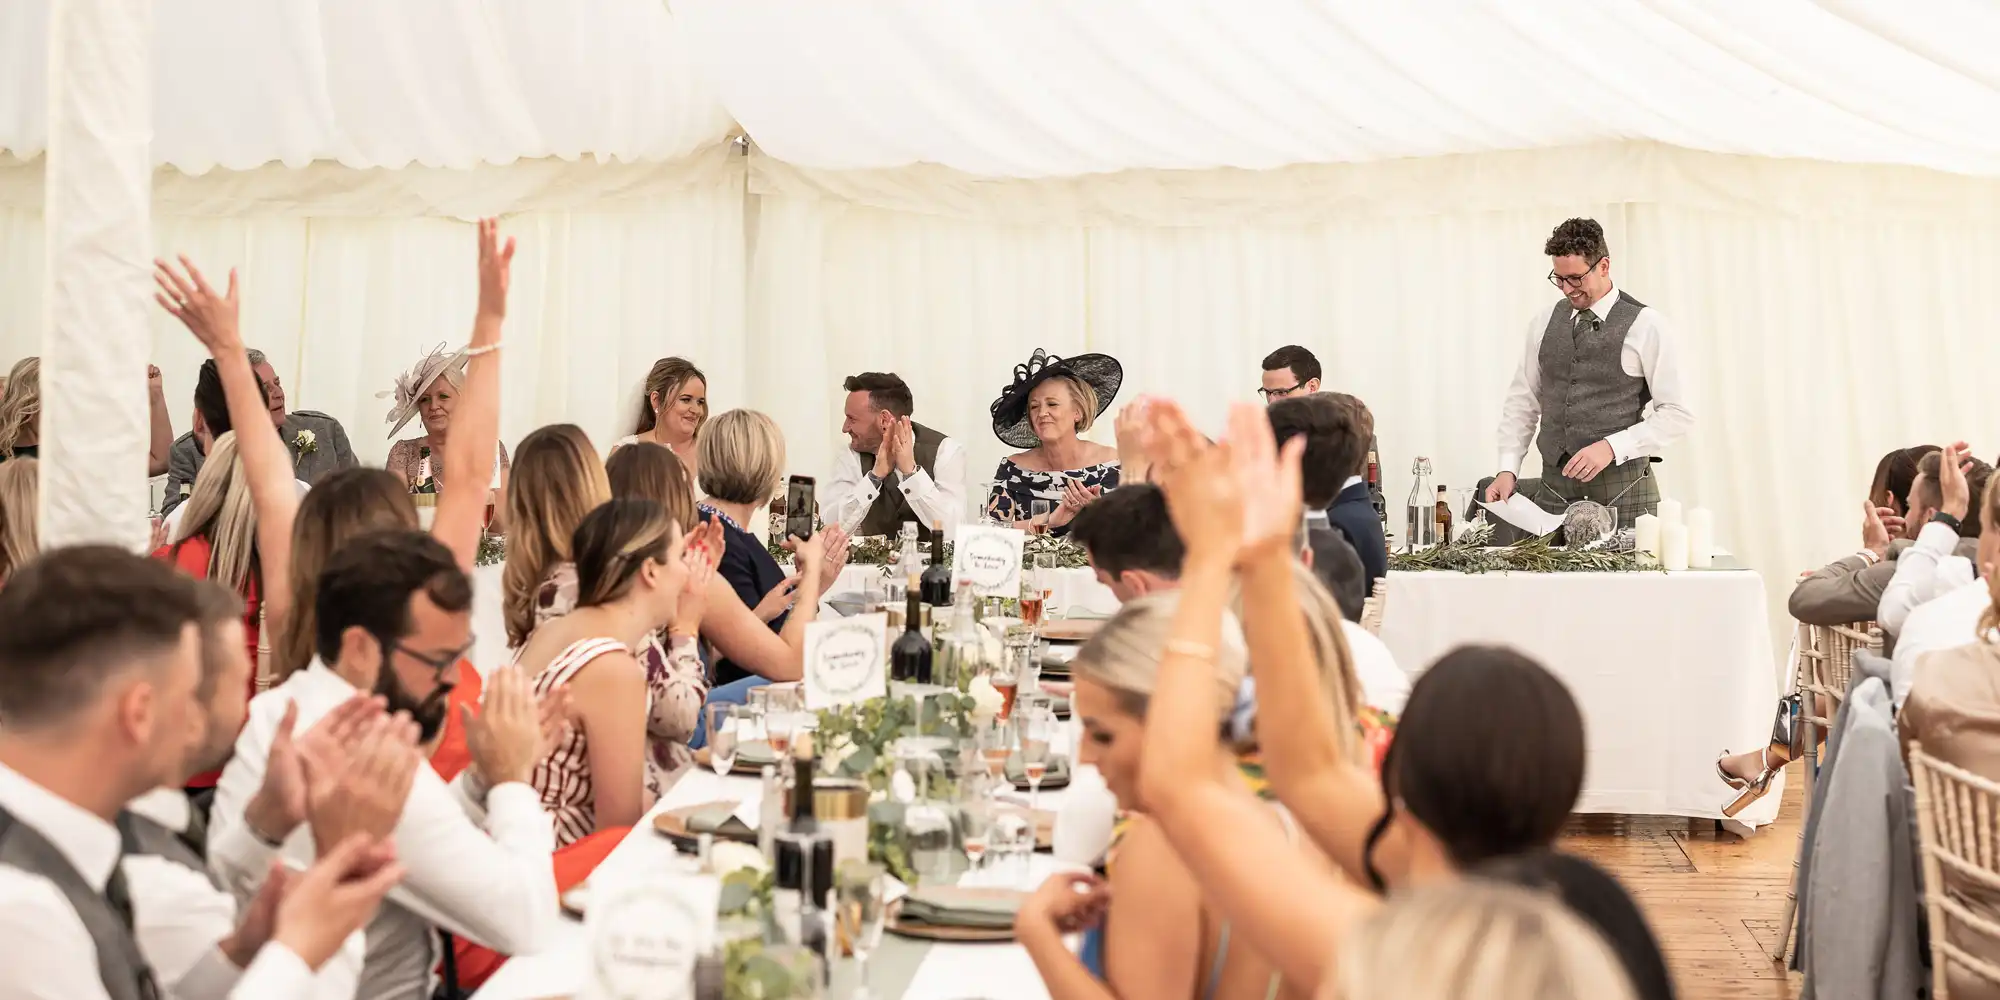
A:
[(672, 411), (633, 569), (557, 478), (20, 498)]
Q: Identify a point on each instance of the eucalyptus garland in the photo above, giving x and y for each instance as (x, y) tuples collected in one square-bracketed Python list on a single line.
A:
[(492, 550), (1536, 555), (856, 740), (884, 550)]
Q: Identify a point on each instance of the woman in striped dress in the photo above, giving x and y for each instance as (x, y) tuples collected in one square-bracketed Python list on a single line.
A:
[(633, 568)]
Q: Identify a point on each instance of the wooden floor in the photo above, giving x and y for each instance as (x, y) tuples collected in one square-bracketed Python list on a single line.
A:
[(1714, 899)]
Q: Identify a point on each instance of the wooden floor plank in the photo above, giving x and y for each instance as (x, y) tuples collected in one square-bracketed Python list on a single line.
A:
[(1714, 899)]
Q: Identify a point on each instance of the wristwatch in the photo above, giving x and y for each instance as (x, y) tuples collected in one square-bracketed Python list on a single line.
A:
[(1947, 520)]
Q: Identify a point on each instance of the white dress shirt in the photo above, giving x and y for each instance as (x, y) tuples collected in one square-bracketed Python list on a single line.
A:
[(849, 493), (494, 886), (1925, 571), (1651, 352), (51, 956), (1949, 621), (1383, 684)]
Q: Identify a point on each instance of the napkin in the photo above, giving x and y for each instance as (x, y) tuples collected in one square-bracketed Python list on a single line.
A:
[(719, 818), (948, 907)]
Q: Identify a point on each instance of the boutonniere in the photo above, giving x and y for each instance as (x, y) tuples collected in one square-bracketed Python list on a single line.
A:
[(306, 442)]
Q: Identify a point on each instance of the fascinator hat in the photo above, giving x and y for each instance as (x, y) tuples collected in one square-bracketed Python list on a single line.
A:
[(1101, 372), (412, 384)]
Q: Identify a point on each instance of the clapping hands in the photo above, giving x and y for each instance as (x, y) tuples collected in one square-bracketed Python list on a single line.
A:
[(1234, 500)]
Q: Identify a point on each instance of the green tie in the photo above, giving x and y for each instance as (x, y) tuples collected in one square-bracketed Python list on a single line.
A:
[(1586, 322)]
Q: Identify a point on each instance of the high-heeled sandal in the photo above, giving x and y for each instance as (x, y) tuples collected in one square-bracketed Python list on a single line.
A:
[(1752, 791), (1786, 745)]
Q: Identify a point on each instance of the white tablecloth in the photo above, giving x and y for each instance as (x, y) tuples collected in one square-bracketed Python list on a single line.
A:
[(1001, 971), (1670, 669)]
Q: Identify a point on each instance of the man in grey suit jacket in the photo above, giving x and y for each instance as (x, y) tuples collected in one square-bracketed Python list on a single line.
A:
[(317, 442), (1850, 588)]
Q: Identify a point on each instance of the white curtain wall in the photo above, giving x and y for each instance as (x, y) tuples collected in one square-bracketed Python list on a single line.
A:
[(1831, 313), (341, 303)]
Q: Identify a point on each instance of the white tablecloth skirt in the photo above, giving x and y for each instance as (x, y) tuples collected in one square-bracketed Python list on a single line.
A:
[(1670, 669)]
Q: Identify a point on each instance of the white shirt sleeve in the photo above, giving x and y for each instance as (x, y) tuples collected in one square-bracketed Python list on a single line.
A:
[(180, 915), (1522, 411), (497, 886), (49, 953), (1917, 579), (1661, 362), (848, 493), (276, 972), (939, 499)]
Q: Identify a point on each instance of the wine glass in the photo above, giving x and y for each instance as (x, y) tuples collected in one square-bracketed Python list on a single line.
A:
[(782, 720), (1045, 575), (975, 820), (726, 723), (858, 914), (996, 743), (1037, 727), (1042, 510)]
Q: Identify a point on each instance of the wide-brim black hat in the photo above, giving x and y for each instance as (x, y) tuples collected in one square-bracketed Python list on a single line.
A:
[(1101, 372)]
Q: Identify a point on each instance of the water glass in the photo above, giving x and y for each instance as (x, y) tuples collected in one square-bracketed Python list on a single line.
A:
[(1013, 837), (726, 724), (859, 909), (1046, 572)]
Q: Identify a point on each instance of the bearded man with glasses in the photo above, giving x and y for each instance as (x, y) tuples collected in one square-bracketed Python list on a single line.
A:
[(1604, 378)]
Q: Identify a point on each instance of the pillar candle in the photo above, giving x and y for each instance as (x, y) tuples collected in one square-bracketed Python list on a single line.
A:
[(1670, 513), (1646, 535), (1701, 538), (1674, 546)]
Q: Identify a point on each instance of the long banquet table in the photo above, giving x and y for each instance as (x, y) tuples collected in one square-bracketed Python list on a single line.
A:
[(1670, 669), (899, 968)]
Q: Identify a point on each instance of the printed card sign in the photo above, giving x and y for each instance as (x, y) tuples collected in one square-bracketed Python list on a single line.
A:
[(844, 660), (645, 933), (991, 558)]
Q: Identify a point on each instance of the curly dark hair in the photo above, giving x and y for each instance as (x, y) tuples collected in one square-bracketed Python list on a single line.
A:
[(1578, 238)]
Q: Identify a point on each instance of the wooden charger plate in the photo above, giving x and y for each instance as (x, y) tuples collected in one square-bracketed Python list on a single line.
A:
[(1072, 629), (962, 935)]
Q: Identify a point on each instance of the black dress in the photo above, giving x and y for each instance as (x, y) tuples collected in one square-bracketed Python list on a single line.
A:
[(751, 571)]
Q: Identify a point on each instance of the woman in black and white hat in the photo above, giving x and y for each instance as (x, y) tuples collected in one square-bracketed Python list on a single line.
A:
[(1049, 404)]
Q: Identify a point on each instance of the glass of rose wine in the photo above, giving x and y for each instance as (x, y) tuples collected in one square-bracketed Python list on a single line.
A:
[(996, 744), (1036, 726)]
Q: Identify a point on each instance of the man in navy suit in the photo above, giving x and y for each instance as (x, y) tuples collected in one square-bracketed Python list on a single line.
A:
[(1338, 428)]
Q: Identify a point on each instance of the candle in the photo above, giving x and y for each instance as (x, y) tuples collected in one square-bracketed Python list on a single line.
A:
[(1670, 513), (1646, 535), (1674, 546), (1701, 538)]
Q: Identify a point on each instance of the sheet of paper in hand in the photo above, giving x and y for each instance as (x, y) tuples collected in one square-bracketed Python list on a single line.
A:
[(646, 928), (844, 660), (990, 557), (1522, 513)]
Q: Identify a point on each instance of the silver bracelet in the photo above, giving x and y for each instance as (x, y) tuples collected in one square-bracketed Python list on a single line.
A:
[(473, 352)]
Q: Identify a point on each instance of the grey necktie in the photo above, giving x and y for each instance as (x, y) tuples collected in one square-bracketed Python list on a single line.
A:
[(1586, 322)]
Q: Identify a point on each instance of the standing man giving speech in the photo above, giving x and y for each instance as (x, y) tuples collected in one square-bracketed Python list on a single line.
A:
[(1604, 377)]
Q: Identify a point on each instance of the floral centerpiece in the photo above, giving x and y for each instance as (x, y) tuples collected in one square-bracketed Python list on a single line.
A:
[(1471, 553)]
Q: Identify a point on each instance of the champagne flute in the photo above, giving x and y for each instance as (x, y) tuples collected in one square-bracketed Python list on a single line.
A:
[(1037, 727), (995, 745), (725, 730), (975, 817), (858, 915)]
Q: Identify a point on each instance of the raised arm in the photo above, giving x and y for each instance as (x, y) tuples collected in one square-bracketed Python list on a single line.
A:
[(162, 443), (1295, 912), (471, 449), (267, 464)]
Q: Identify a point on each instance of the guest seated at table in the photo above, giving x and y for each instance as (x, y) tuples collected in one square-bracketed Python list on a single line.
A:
[(673, 410), (1955, 618), (317, 442), (1337, 428), (742, 466), (1954, 711), (633, 568), (1930, 566), (21, 415), (1333, 560), (93, 638), (1489, 763), (211, 421), (558, 480), (431, 389), (893, 469), (1050, 402), (393, 618), (1849, 589), (20, 500)]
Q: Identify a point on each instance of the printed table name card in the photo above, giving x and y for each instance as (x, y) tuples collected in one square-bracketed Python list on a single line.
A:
[(990, 557), (844, 661), (646, 930)]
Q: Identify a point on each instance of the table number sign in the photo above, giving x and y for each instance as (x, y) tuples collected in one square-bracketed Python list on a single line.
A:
[(990, 557), (844, 659), (646, 929)]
